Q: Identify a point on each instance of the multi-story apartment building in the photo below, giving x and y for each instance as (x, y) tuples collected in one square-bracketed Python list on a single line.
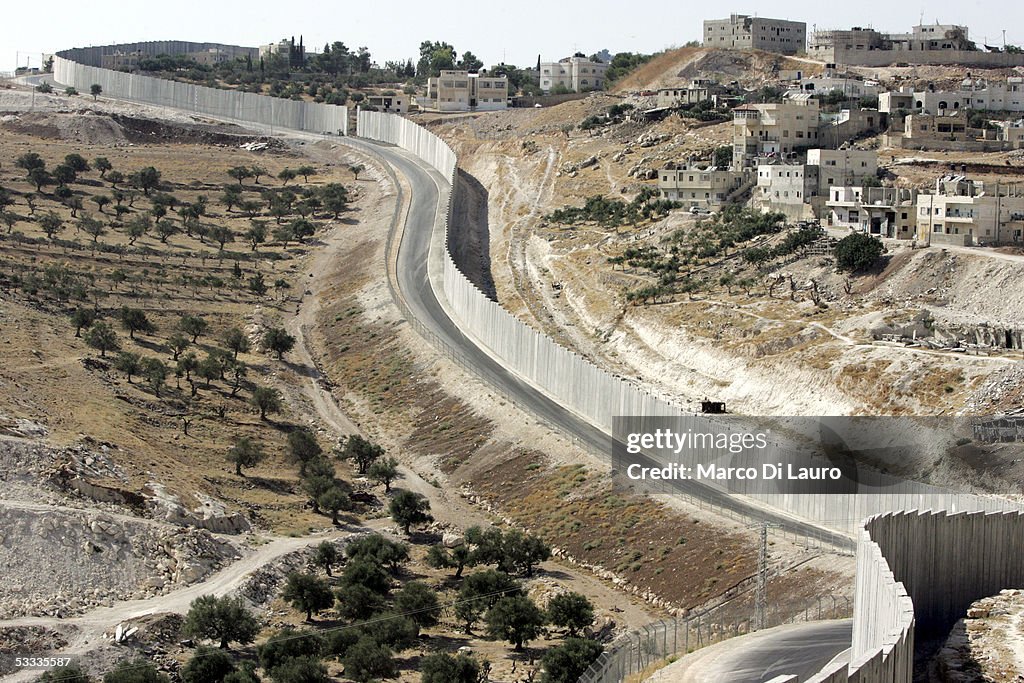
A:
[(704, 187), (743, 32), (881, 211), (973, 93), (464, 91), (788, 188), (577, 74), (801, 190), (842, 166), (965, 212), (774, 130)]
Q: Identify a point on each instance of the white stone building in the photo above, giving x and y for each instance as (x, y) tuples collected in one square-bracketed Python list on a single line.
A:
[(464, 91), (577, 74)]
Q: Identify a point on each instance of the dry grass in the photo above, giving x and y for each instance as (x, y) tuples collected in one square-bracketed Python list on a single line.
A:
[(685, 561), (54, 378)]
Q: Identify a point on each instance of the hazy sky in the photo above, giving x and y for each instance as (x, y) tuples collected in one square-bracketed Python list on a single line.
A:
[(511, 31)]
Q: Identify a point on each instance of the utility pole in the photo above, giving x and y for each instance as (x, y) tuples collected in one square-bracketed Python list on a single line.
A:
[(761, 589), (761, 594)]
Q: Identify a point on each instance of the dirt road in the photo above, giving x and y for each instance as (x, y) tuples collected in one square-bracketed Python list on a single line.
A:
[(91, 626)]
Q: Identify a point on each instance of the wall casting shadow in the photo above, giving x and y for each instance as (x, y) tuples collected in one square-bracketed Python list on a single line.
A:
[(469, 235)]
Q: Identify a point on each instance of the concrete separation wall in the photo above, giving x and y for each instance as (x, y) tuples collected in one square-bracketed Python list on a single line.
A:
[(93, 56), (598, 396), (77, 68), (917, 573)]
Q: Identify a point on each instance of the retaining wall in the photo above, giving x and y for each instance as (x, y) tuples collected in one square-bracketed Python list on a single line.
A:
[(77, 68), (988, 60)]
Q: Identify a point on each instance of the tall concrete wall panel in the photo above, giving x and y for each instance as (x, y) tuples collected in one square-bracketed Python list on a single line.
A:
[(234, 105), (917, 573), (575, 382), (93, 56), (598, 396)]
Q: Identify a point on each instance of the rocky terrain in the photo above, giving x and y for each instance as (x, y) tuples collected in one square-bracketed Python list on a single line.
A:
[(986, 646), (60, 562), (64, 553)]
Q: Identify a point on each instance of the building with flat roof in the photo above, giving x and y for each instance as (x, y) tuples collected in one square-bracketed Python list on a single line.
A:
[(879, 211), (853, 88), (577, 74), (389, 104), (122, 61), (965, 212), (704, 187), (951, 126), (742, 32), (924, 44), (800, 190), (464, 91), (787, 188), (973, 93), (698, 90), (211, 56), (774, 130), (286, 48)]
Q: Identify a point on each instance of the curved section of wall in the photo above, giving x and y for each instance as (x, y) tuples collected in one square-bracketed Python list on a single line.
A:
[(883, 620), (917, 573), (78, 68), (598, 396)]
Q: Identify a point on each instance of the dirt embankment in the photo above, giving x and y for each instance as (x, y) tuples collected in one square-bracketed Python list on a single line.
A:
[(987, 644), (749, 68)]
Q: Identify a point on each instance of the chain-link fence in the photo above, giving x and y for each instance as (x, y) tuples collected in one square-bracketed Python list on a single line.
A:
[(656, 642)]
